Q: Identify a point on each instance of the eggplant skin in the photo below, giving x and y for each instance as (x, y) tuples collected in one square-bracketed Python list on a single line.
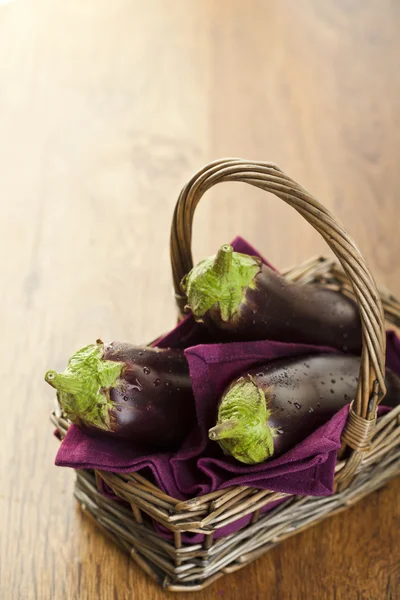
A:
[(300, 393), (153, 402), (276, 309), (304, 393)]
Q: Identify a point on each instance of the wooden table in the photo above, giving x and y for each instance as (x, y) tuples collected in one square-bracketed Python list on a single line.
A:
[(106, 109)]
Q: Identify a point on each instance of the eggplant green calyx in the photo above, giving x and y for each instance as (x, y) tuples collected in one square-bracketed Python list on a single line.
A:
[(83, 388), (242, 428), (220, 280)]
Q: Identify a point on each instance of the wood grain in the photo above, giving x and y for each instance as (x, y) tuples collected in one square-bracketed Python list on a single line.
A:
[(106, 108)]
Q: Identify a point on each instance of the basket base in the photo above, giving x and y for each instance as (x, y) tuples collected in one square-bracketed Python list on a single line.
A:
[(193, 567)]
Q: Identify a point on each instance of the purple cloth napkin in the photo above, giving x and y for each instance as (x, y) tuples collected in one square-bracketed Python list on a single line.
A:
[(200, 466), (393, 352)]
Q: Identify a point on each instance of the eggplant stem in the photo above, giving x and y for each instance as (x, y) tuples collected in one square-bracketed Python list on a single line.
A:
[(83, 388), (223, 260), (242, 429), (223, 430), (220, 282)]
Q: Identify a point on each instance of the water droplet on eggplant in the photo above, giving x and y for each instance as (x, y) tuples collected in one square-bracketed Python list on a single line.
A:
[(136, 385), (157, 382), (146, 370), (297, 405)]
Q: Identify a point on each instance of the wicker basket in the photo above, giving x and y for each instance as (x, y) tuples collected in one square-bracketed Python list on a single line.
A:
[(370, 453)]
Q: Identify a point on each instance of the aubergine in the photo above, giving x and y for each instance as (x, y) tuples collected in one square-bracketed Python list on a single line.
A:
[(139, 394), (239, 298), (273, 407)]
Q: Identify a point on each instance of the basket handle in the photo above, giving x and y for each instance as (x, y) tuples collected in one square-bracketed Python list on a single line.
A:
[(268, 177)]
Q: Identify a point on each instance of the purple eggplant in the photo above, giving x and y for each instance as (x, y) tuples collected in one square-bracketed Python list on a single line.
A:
[(239, 298), (140, 394), (274, 407)]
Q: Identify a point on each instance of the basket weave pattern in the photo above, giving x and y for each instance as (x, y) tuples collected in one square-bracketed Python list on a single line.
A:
[(370, 454)]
